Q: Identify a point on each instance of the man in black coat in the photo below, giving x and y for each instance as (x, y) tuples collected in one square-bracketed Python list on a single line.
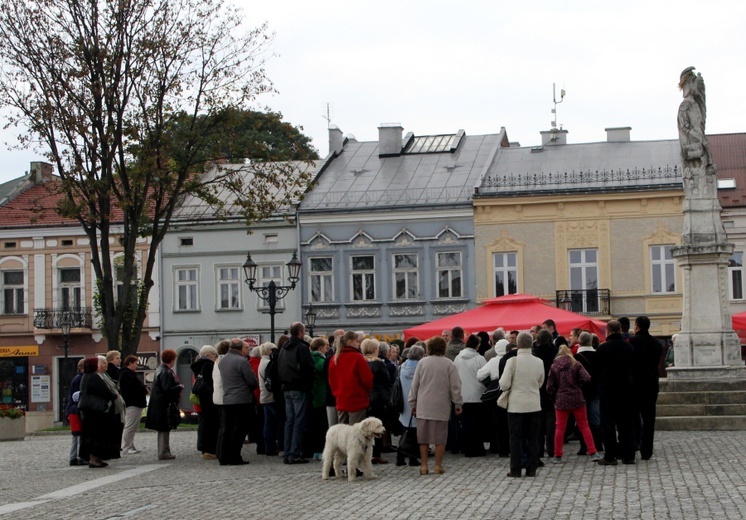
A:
[(648, 353), (295, 368), (616, 361)]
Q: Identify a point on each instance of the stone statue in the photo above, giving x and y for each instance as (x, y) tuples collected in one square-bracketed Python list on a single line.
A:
[(699, 170), (702, 222)]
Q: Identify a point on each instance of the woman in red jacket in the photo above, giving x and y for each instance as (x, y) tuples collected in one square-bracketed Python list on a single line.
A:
[(351, 380)]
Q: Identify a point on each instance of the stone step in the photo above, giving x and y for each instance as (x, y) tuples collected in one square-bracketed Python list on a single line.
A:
[(702, 397), (702, 423), (714, 385), (674, 410)]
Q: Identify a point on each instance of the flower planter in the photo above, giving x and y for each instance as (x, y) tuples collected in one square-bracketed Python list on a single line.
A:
[(12, 429)]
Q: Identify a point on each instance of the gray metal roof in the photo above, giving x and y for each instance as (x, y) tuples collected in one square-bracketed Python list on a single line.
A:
[(587, 167), (193, 208), (358, 177), (11, 188)]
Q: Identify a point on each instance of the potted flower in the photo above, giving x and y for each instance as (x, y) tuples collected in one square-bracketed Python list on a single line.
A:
[(12, 423)]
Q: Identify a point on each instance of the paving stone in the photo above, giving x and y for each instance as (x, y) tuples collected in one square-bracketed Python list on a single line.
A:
[(692, 475)]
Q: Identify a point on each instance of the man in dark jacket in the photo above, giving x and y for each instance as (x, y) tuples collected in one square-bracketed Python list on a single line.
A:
[(648, 353), (616, 360), (295, 369), (546, 350)]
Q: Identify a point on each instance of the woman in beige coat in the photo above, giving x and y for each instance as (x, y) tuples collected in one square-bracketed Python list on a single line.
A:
[(523, 377), (435, 386)]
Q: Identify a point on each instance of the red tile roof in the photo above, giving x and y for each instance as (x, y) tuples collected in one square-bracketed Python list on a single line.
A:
[(37, 206), (729, 154)]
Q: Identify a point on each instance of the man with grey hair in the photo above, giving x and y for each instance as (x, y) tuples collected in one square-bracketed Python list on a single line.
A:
[(239, 383), (497, 335)]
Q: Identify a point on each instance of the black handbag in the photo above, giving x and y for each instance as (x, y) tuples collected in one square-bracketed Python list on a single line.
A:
[(91, 403), (408, 445), (396, 399), (492, 393), (201, 386), (174, 416)]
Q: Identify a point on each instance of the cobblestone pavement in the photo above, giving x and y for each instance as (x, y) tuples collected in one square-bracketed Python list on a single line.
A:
[(692, 475)]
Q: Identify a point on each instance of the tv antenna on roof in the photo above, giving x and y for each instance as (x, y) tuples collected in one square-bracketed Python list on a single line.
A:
[(328, 116), (554, 98)]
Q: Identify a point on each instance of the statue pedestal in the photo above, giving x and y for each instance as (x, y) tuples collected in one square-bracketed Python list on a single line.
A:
[(707, 347)]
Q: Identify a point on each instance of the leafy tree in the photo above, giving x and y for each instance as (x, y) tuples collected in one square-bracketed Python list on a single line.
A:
[(133, 99), (261, 136)]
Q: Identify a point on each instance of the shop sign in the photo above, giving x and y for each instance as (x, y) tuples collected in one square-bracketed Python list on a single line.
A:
[(19, 351), (40, 389), (253, 341)]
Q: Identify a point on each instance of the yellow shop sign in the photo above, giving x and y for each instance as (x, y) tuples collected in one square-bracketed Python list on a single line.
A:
[(19, 351)]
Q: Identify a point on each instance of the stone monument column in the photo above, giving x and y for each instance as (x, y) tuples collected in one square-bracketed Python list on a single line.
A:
[(707, 347)]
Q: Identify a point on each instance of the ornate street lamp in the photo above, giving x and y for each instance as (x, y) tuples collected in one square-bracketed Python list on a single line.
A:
[(62, 382), (310, 319), (272, 293)]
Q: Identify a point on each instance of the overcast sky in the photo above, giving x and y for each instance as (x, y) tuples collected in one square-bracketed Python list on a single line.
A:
[(439, 66)]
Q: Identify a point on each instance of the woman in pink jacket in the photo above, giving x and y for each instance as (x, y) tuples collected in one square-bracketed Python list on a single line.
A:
[(565, 385)]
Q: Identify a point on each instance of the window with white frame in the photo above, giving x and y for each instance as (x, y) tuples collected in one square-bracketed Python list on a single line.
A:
[(406, 275), (187, 289), (269, 273), (363, 278), (229, 288), (119, 274), (69, 288), (13, 292), (322, 279), (505, 269), (583, 273), (663, 269), (735, 276), (448, 271)]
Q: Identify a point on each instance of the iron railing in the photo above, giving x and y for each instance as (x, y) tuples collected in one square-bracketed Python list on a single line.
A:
[(593, 302), (79, 318), (667, 176)]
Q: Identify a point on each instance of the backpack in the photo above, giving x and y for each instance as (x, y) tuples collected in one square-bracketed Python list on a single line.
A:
[(270, 373)]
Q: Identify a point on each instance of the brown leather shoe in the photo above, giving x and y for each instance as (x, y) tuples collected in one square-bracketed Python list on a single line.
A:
[(209, 456)]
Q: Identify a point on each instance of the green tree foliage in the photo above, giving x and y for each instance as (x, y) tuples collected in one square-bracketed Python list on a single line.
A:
[(133, 100), (250, 134)]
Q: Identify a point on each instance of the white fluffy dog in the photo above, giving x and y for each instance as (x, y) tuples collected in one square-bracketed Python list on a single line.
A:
[(356, 443)]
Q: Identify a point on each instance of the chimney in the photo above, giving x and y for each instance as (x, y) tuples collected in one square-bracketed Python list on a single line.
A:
[(41, 172), (336, 140), (390, 139), (554, 136), (618, 134)]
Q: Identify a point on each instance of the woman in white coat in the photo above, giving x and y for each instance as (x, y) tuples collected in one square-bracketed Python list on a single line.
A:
[(468, 362), (523, 377)]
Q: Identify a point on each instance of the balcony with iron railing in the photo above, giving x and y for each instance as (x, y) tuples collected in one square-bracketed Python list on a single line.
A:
[(591, 302), (79, 318)]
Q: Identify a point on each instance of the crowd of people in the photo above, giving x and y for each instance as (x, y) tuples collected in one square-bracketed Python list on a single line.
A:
[(431, 394)]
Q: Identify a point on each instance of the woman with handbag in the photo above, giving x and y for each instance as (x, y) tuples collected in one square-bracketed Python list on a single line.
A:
[(163, 410), (98, 439), (379, 395), (209, 415), (522, 378), (408, 441)]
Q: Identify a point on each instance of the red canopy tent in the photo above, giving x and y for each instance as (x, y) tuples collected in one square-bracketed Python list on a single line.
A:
[(511, 312), (739, 325)]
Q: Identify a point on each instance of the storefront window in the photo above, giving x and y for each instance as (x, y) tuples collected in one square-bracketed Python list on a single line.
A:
[(14, 381)]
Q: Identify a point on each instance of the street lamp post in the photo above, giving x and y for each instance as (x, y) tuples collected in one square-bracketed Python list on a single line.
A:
[(310, 319), (272, 293), (65, 325)]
